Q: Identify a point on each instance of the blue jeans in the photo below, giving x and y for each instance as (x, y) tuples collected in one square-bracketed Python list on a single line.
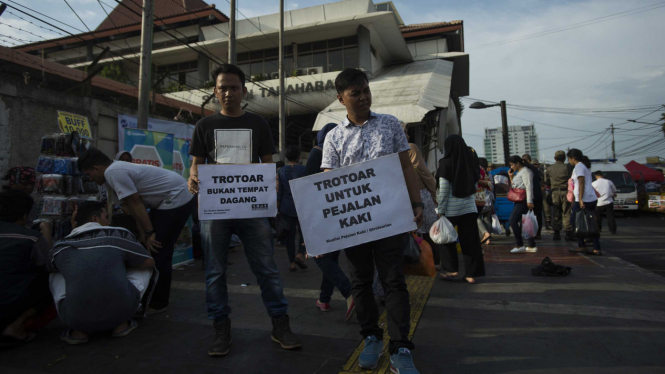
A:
[(256, 237), (590, 207), (516, 224), (333, 276)]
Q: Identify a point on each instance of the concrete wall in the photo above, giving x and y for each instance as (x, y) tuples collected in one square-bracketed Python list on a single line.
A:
[(28, 112)]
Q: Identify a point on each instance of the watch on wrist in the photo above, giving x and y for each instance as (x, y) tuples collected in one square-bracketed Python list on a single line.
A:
[(148, 232), (415, 205)]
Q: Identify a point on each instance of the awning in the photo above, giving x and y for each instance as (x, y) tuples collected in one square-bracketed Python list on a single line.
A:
[(407, 91), (639, 171)]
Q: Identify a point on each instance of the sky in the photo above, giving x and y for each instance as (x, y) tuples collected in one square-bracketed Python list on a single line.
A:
[(593, 58)]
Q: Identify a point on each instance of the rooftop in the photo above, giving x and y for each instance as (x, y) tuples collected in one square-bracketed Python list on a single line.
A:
[(428, 26), (121, 16)]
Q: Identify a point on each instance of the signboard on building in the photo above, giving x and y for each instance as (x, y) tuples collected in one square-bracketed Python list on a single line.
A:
[(237, 191), (150, 147), (178, 129), (70, 122), (353, 205)]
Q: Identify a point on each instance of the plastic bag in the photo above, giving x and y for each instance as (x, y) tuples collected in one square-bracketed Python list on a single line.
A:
[(442, 231), (411, 250), (496, 225), (529, 225), (586, 225), (425, 266)]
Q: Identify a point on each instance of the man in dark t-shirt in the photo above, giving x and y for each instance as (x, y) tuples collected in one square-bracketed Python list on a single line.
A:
[(234, 136)]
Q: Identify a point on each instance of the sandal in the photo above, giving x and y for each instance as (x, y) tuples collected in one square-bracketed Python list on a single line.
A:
[(594, 252), (449, 277), (67, 337), (132, 325), (301, 264), (470, 282)]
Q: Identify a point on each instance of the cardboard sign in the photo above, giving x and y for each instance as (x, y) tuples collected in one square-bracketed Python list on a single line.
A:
[(150, 147), (353, 205), (70, 122), (237, 191)]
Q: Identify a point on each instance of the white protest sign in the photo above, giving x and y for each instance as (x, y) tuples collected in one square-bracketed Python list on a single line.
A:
[(353, 205), (237, 191)]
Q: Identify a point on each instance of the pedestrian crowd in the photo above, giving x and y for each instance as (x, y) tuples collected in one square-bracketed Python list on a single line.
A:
[(101, 277)]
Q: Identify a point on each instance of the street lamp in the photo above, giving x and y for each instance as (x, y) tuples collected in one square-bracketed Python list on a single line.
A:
[(504, 125)]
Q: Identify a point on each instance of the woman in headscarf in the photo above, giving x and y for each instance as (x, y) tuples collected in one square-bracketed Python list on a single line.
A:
[(427, 187), (458, 176), (333, 275)]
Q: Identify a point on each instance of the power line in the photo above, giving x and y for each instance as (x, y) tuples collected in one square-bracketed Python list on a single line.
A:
[(77, 16), (42, 14)]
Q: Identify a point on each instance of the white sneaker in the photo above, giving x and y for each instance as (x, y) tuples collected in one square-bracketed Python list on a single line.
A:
[(521, 249), (532, 249)]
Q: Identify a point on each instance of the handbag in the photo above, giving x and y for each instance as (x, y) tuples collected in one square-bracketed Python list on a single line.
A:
[(586, 225), (517, 195), (425, 266)]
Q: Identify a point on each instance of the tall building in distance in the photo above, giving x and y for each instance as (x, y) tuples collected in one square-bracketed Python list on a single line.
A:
[(521, 140)]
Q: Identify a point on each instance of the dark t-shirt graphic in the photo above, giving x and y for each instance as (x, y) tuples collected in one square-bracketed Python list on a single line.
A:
[(232, 140)]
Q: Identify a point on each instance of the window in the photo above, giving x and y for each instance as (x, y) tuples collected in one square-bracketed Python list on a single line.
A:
[(264, 62), (184, 73), (332, 55)]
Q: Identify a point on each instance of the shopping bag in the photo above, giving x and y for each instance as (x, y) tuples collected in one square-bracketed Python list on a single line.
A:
[(442, 231), (411, 250), (425, 266), (570, 196), (586, 225), (529, 225), (496, 225)]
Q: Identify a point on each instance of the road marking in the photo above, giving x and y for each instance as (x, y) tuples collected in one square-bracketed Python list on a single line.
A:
[(566, 309), (419, 289)]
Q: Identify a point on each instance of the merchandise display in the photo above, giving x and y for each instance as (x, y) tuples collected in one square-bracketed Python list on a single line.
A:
[(60, 183)]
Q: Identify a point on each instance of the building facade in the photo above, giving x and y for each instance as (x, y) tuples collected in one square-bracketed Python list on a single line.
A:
[(521, 140), (417, 72)]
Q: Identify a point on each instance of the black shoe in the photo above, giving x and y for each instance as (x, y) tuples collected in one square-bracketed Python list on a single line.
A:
[(556, 236), (569, 237), (220, 346), (281, 333)]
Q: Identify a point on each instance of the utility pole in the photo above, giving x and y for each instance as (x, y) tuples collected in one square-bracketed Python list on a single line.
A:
[(146, 63), (232, 34), (614, 154), (282, 111), (504, 128)]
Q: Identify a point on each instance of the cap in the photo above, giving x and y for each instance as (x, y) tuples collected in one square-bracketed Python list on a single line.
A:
[(559, 153)]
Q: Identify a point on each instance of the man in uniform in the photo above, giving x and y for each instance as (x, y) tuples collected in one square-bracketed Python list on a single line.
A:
[(556, 176), (547, 195)]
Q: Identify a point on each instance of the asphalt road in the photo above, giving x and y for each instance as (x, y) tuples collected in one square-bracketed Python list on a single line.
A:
[(640, 241)]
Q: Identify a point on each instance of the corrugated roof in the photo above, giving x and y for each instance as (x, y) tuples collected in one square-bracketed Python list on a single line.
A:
[(425, 26), (121, 16)]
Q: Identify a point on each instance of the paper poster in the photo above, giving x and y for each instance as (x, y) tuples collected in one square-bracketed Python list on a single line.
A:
[(70, 122), (150, 147), (181, 157), (178, 129), (352, 205), (233, 146), (237, 191)]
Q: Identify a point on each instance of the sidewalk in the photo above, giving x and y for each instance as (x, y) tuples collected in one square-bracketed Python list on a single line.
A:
[(606, 317)]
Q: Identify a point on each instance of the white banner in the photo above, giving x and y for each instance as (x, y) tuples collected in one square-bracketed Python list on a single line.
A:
[(237, 191), (178, 129), (353, 205)]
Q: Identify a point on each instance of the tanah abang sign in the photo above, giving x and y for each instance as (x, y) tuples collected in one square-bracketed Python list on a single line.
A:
[(353, 205), (237, 191)]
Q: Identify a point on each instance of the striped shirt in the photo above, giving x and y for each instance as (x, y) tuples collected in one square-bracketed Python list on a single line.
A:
[(451, 206)]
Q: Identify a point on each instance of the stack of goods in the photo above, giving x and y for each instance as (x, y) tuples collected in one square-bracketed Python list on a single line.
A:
[(60, 184)]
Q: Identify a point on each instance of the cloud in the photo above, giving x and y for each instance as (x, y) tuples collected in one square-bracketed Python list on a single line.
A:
[(609, 64)]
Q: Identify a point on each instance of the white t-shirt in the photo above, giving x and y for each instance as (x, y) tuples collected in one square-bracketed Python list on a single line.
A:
[(589, 194), (158, 188), (606, 189)]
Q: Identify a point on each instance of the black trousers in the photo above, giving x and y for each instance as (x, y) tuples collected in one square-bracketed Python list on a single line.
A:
[(168, 224), (388, 255), (609, 211), (538, 211), (469, 240)]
